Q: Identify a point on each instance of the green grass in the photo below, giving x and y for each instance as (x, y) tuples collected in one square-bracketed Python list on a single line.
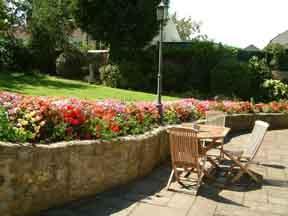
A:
[(44, 85)]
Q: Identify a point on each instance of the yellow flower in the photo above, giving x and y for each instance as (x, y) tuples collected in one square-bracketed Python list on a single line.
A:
[(24, 122)]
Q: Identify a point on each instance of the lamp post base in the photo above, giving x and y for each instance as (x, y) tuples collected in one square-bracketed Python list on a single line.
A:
[(160, 111)]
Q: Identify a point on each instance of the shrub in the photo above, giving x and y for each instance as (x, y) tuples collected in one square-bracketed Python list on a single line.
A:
[(14, 54), (279, 56), (69, 64), (137, 75), (232, 78), (110, 75), (260, 72), (6, 132), (240, 79), (192, 62), (275, 89)]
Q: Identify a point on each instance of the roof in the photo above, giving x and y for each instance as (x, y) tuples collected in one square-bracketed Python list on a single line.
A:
[(252, 48), (281, 39), (170, 33)]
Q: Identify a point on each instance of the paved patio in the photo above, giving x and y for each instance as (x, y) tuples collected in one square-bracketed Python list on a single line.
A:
[(148, 196)]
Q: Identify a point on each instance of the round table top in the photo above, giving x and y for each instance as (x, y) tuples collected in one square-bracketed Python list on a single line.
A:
[(208, 131)]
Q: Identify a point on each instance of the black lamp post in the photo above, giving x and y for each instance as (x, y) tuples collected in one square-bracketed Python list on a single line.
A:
[(162, 16)]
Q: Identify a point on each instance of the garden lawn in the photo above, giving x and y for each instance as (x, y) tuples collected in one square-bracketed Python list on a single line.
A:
[(44, 85)]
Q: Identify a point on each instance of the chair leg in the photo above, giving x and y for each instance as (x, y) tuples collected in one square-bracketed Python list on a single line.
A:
[(212, 162), (237, 177), (170, 179)]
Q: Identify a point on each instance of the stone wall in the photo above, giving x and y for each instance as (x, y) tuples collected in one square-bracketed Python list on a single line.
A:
[(244, 122), (37, 177)]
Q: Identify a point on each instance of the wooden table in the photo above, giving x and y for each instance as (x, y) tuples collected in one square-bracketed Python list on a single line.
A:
[(209, 131), (212, 134)]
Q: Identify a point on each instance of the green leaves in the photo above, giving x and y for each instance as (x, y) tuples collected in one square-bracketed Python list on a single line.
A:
[(127, 25), (276, 90), (187, 28)]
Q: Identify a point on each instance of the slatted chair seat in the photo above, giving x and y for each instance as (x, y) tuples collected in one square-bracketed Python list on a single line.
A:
[(243, 160)]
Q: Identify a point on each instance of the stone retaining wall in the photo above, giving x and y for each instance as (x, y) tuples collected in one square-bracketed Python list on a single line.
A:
[(244, 122), (37, 177)]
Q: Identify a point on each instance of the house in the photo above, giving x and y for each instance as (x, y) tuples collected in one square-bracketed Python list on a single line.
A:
[(252, 48), (281, 39)]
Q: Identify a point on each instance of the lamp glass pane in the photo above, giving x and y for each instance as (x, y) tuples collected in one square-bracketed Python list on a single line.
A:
[(160, 13), (165, 13)]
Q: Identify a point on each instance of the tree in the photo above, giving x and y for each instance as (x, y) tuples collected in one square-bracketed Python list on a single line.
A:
[(15, 13), (187, 28), (50, 22), (126, 25), (3, 15)]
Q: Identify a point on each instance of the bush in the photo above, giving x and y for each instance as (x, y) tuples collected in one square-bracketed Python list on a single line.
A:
[(240, 79), (279, 56), (259, 72), (193, 63), (110, 75), (275, 89), (69, 64), (14, 54), (6, 132), (231, 78), (138, 75)]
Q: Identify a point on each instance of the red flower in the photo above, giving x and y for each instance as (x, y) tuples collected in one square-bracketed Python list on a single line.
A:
[(75, 122), (115, 127)]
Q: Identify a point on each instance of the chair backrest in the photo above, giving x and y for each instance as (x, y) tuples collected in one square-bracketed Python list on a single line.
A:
[(216, 118), (184, 146), (256, 139)]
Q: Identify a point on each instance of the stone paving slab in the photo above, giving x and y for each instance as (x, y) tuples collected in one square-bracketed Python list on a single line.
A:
[(148, 196)]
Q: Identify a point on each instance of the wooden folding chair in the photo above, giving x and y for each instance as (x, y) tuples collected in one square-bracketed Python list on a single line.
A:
[(216, 118), (186, 156), (243, 159)]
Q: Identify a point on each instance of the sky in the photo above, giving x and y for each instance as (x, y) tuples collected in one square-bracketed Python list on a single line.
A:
[(236, 22)]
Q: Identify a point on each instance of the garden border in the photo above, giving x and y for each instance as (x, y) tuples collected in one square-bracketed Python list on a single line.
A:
[(36, 177)]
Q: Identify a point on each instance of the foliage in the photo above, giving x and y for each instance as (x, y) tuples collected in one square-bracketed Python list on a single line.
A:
[(234, 78), (279, 56), (193, 63), (139, 72), (231, 77), (17, 12), (6, 132), (13, 54), (275, 89), (69, 63), (110, 75), (126, 25), (50, 26), (3, 14), (187, 28), (260, 72)]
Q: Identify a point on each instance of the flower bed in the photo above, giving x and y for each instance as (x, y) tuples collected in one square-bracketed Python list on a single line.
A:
[(50, 119)]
